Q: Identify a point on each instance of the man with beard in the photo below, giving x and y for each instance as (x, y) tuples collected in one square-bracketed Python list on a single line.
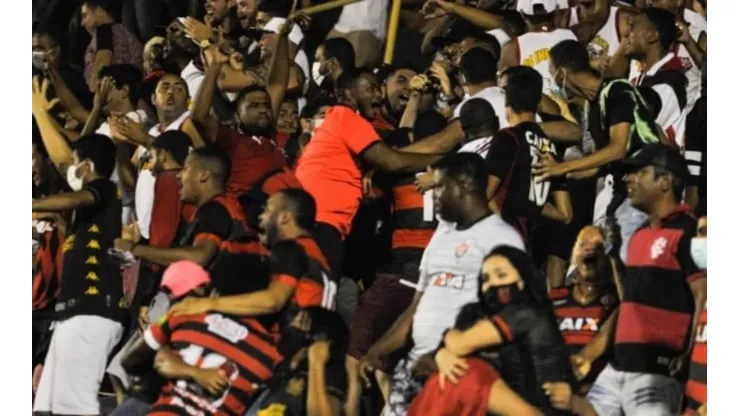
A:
[(651, 39), (665, 292), (448, 277), (332, 59), (217, 220), (585, 307), (251, 143), (246, 11), (300, 276)]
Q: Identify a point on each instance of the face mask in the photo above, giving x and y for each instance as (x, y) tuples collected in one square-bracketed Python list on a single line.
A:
[(496, 297), (316, 73), (37, 59), (699, 252), (561, 91), (74, 182)]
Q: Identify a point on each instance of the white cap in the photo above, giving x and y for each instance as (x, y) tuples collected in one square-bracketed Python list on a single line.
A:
[(528, 6), (296, 34)]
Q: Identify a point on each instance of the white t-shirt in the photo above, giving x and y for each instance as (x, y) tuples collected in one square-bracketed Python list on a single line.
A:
[(371, 15), (479, 146), (448, 277), (501, 36), (193, 78), (534, 51), (496, 97), (144, 201), (138, 116)]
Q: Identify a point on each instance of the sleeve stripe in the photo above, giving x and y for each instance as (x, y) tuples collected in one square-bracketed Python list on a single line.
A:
[(693, 155), (286, 279), (151, 340), (502, 327), (697, 276), (695, 170)]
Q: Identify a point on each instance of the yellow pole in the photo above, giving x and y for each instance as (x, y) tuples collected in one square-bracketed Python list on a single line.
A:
[(390, 39), (324, 7)]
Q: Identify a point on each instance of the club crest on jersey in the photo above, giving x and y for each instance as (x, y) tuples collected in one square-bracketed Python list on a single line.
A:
[(461, 250), (658, 248), (226, 328)]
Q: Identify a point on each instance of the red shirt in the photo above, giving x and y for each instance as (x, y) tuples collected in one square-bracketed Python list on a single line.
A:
[(329, 168), (469, 397), (251, 158)]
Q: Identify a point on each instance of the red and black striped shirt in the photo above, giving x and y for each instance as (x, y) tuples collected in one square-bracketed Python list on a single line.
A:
[(300, 264), (655, 316), (579, 323), (47, 270), (240, 346), (696, 388)]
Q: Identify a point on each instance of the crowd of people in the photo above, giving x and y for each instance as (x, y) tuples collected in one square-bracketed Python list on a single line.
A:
[(422, 207)]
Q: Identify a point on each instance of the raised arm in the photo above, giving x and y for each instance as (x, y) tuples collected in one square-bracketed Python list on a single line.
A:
[(59, 151), (67, 98), (103, 55), (201, 115), (478, 17), (279, 75), (265, 302)]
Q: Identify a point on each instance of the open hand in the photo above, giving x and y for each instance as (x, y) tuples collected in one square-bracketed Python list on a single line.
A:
[(547, 167), (38, 96), (197, 30), (450, 367), (438, 71), (212, 379), (130, 130), (424, 180), (101, 95), (192, 306)]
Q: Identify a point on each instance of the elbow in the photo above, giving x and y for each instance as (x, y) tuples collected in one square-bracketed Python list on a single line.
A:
[(567, 217)]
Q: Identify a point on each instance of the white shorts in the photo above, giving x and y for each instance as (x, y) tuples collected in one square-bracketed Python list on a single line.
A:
[(75, 365)]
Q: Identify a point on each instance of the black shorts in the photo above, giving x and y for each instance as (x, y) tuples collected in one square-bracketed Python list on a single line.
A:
[(329, 240)]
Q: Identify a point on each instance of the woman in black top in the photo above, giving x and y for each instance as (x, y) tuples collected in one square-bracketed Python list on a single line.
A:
[(521, 323), (312, 379)]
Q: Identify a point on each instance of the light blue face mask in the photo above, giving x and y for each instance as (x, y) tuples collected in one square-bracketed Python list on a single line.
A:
[(699, 252)]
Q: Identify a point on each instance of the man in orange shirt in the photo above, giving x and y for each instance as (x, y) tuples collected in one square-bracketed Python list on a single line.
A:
[(341, 149)]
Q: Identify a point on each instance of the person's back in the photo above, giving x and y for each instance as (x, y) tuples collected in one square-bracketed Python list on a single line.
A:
[(240, 347), (535, 353)]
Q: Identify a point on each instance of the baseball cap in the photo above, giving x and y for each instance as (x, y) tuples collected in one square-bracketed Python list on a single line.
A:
[(295, 35), (661, 156), (175, 142), (533, 7), (184, 276)]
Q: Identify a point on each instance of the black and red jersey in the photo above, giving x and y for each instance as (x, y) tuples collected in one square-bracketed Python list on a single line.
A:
[(240, 265), (655, 316), (47, 270), (579, 323), (240, 346), (300, 264), (696, 388), (512, 152)]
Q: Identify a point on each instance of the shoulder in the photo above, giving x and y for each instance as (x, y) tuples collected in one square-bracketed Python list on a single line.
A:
[(287, 250), (213, 207), (559, 293)]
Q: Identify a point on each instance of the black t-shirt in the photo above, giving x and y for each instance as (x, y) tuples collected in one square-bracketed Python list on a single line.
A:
[(696, 146), (221, 221), (533, 352), (91, 280), (511, 155), (288, 390), (621, 103)]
